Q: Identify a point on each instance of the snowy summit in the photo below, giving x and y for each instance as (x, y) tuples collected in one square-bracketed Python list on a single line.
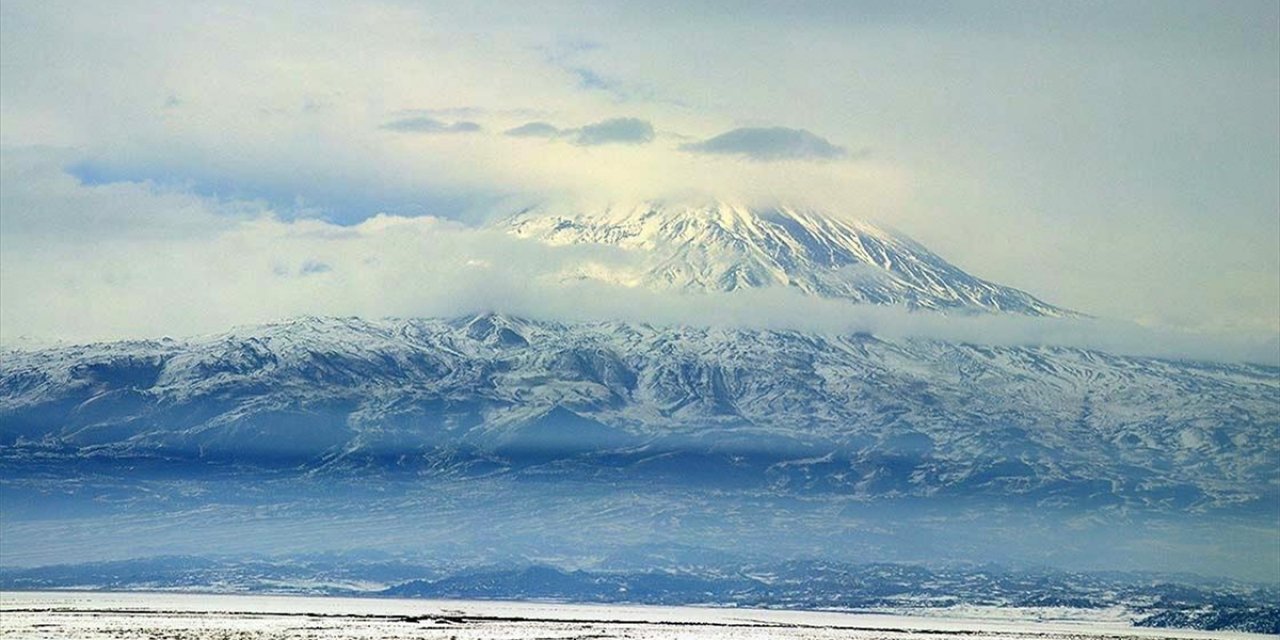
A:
[(729, 247)]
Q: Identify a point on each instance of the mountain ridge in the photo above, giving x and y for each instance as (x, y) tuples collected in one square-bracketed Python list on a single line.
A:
[(852, 414)]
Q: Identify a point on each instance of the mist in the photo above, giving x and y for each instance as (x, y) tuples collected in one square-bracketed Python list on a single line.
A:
[(157, 262)]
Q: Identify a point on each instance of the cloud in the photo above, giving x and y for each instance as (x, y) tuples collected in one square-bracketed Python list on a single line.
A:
[(993, 145), (588, 79), (311, 267), (251, 267), (49, 205), (631, 131), (313, 188), (615, 130), (567, 55), (423, 124), (533, 130), (768, 144)]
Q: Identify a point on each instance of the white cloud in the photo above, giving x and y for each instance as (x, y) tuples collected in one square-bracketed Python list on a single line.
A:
[(41, 204), (162, 263)]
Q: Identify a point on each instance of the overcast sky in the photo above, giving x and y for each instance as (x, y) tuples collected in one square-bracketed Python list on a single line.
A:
[(181, 167)]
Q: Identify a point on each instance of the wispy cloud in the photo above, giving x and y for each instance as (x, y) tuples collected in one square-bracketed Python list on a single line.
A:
[(567, 55), (312, 267), (471, 112), (423, 124), (768, 144), (588, 79)]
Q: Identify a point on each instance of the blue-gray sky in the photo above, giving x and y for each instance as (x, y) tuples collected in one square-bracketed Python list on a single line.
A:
[(1121, 158)]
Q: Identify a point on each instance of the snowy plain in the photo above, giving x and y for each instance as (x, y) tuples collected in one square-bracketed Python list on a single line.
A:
[(97, 615)]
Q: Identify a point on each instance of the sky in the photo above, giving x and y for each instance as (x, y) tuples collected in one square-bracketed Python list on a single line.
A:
[(176, 168)]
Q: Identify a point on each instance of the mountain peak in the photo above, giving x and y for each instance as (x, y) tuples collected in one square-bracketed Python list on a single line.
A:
[(725, 246)]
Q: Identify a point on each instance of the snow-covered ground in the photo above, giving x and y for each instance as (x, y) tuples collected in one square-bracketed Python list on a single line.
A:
[(92, 615)]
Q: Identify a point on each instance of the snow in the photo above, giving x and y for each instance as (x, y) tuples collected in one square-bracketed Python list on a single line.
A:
[(728, 247), (1102, 416), (92, 616)]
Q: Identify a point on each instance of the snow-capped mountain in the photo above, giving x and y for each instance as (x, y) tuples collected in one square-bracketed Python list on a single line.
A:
[(483, 436), (852, 415), (728, 247), (857, 415)]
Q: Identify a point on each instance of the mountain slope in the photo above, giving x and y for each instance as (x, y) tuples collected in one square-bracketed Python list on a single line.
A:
[(724, 247), (852, 415)]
